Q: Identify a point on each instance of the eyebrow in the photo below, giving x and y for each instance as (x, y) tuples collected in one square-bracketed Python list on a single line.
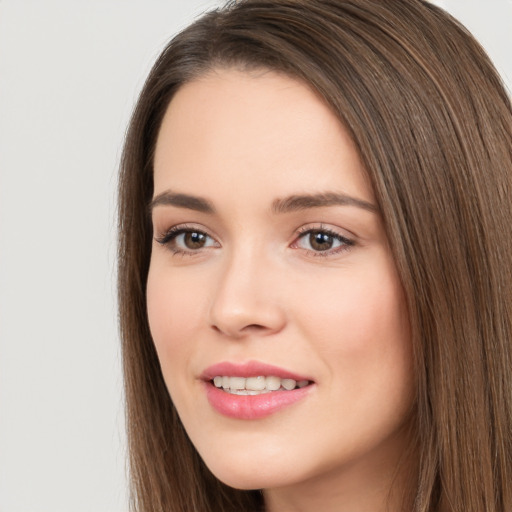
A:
[(285, 205), (189, 202), (306, 201)]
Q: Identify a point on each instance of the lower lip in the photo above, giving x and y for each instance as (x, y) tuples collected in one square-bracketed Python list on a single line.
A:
[(252, 407)]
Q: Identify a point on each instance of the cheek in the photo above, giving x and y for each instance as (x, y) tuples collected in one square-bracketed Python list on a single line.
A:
[(173, 312), (359, 326), (357, 308)]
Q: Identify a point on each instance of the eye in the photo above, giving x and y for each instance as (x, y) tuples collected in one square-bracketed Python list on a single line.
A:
[(184, 240), (322, 241)]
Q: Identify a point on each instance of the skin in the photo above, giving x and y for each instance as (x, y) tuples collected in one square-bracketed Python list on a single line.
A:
[(258, 289)]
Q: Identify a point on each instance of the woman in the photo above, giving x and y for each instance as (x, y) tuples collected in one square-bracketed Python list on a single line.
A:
[(315, 264)]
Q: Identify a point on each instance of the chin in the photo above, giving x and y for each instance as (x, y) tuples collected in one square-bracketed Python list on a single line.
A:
[(244, 473), (243, 482), (250, 480)]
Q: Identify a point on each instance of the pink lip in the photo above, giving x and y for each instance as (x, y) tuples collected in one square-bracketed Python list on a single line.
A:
[(249, 369), (251, 407)]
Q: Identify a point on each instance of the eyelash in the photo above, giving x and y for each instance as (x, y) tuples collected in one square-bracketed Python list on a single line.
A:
[(347, 243), (172, 234)]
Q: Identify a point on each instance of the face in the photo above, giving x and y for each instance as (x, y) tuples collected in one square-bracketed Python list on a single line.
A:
[(273, 299)]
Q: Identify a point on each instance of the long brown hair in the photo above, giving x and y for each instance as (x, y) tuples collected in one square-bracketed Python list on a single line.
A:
[(433, 126)]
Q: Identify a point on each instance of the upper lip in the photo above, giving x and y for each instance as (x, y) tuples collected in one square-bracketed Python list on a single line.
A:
[(249, 369)]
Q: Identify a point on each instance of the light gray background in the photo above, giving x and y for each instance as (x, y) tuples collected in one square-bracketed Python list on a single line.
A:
[(69, 75)]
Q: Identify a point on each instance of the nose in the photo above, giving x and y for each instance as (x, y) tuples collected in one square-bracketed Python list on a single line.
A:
[(246, 301)]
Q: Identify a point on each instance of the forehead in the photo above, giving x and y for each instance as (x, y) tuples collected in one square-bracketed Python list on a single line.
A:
[(231, 130)]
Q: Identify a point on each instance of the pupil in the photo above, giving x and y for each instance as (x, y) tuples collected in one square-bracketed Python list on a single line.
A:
[(194, 240), (321, 241)]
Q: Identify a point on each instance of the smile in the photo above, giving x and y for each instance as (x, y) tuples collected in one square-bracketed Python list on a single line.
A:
[(256, 385), (253, 390)]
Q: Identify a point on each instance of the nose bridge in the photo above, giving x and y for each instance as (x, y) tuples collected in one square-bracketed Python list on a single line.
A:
[(245, 300)]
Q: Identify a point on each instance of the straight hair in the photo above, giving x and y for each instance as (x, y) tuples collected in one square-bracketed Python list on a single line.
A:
[(432, 123)]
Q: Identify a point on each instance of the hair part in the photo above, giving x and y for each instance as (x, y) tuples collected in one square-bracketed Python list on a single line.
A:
[(433, 125)]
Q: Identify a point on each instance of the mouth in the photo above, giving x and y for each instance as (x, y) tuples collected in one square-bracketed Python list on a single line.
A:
[(253, 390)]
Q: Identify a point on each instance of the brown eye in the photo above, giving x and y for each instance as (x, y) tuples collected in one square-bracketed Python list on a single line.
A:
[(186, 241), (321, 241), (194, 240)]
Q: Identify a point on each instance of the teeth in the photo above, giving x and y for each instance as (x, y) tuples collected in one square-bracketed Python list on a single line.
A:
[(273, 383), (236, 383), (288, 384), (256, 385)]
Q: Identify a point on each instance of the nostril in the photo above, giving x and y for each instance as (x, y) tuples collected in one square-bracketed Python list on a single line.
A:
[(247, 329), (255, 327)]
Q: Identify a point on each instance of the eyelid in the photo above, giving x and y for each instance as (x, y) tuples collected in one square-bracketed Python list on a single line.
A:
[(168, 236), (176, 228), (347, 241), (172, 233)]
